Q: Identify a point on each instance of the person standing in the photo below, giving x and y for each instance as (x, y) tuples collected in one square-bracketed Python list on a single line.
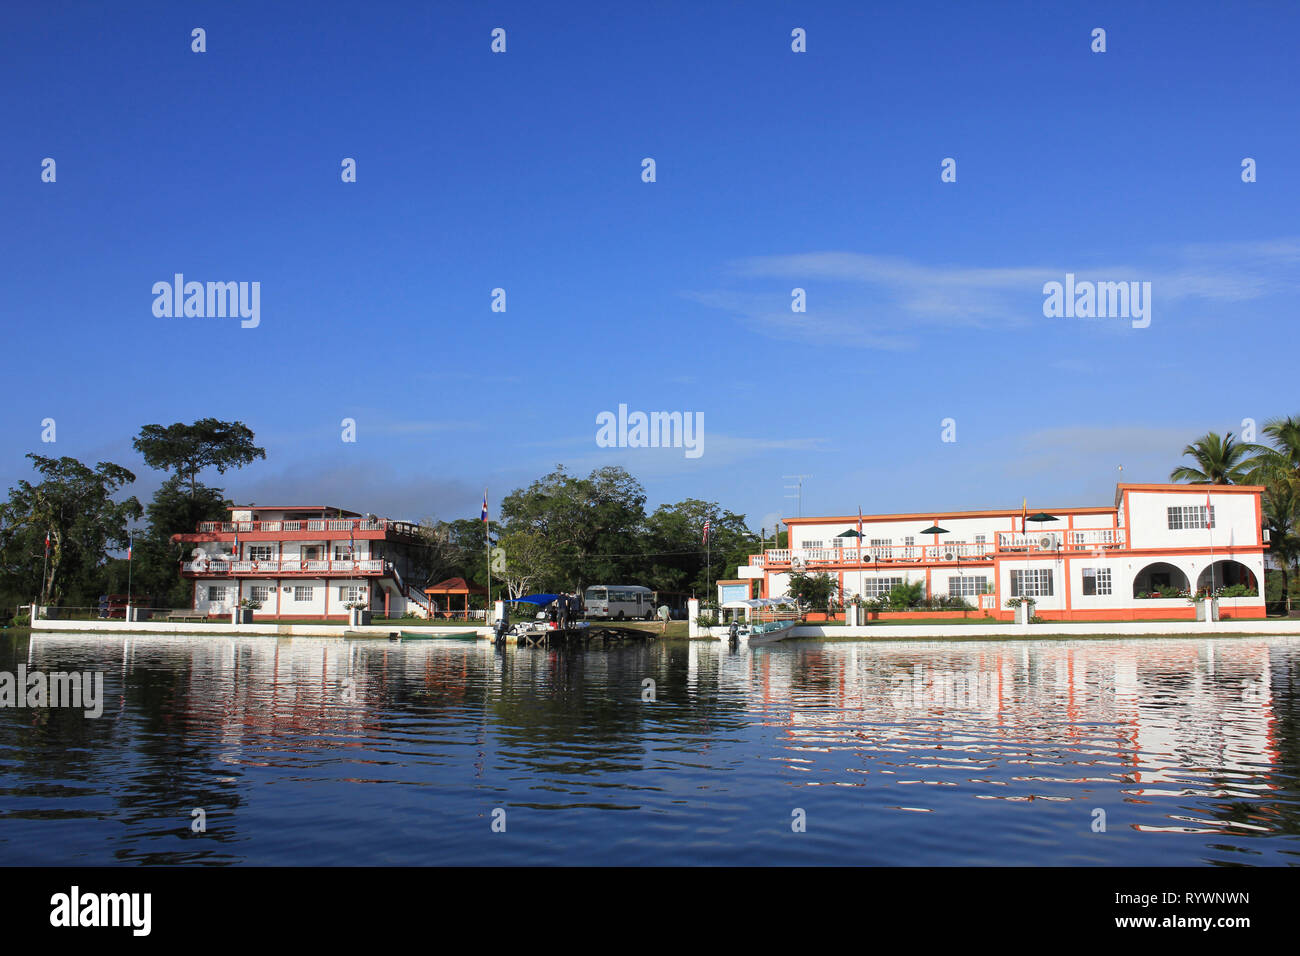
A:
[(664, 614)]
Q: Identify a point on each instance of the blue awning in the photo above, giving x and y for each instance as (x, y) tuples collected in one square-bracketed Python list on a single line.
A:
[(541, 599)]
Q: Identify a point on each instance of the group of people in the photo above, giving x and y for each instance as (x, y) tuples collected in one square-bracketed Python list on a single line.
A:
[(565, 609)]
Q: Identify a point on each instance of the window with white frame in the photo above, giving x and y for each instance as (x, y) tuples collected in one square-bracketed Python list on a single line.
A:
[(260, 593), (344, 552), (259, 552), (980, 539), (1096, 581), (349, 593), (216, 595), (303, 594), (813, 544), (1031, 582), (1182, 517), (967, 586), (878, 587)]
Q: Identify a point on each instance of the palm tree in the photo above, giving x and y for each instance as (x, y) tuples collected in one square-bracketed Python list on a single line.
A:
[(1282, 519), (1281, 461), (1221, 461)]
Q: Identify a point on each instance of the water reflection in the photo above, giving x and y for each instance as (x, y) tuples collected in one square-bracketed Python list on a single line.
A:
[(319, 751)]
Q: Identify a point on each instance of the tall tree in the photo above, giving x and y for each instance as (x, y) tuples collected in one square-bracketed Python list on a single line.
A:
[(186, 450), (74, 504), (589, 526), (1217, 460), (1281, 512)]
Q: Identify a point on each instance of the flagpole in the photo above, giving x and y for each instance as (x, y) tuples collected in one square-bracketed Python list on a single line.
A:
[(487, 553), (130, 541), (45, 565)]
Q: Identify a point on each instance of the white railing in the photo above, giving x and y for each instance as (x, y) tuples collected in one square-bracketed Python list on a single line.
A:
[(1028, 541), (285, 566), (1095, 537), (869, 556), (309, 524)]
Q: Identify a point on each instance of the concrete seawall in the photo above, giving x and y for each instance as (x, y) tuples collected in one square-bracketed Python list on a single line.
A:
[(1031, 631), (220, 629)]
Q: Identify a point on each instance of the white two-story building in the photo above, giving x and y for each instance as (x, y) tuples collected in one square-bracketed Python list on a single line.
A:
[(303, 561), (1138, 559)]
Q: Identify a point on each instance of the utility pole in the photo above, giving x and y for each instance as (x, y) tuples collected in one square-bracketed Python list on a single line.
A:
[(798, 492)]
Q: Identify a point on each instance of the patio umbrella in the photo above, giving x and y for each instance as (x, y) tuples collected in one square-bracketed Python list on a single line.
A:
[(935, 530), (1042, 517)]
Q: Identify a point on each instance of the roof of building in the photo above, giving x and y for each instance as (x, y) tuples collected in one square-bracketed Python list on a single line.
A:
[(324, 509), (1016, 512)]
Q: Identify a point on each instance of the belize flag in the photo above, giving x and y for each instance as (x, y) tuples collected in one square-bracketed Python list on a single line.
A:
[(484, 516)]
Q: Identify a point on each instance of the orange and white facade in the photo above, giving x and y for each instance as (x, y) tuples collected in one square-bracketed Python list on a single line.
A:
[(303, 561), (1091, 563)]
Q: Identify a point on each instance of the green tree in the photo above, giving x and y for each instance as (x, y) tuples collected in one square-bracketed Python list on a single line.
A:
[(676, 557), (587, 528), (812, 590), (1218, 461), (1281, 512), (75, 505), (186, 450)]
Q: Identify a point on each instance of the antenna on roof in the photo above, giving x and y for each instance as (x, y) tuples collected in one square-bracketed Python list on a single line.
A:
[(798, 489)]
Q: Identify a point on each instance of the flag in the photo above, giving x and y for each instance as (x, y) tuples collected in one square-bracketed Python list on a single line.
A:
[(859, 530), (130, 542), (485, 517), (235, 552), (1209, 520), (706, 532), (47, 544), (1024, 514)]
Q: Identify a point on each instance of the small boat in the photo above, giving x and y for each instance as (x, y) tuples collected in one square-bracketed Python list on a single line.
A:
[(776, 619), (468, 635), (771, 632)]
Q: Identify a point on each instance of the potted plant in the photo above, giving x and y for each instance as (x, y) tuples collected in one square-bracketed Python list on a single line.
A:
[(242, 613), (1024, 608), (358, 613)]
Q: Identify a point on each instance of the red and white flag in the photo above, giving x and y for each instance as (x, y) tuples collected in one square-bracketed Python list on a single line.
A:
[(706, 532), (47, 544)]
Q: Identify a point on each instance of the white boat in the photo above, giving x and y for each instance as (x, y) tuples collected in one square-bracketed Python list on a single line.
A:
[(769, 620)]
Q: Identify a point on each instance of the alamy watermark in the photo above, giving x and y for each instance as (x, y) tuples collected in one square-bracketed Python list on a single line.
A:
[(35, 689), (1098, 300), (212, 300), (651, 430)]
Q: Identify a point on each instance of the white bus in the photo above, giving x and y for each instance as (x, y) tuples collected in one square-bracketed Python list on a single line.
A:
[(619, 602)]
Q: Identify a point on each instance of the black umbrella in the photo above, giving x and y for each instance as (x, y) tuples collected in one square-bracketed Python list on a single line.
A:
[(935, 530), (1041, 517), (848, 534)]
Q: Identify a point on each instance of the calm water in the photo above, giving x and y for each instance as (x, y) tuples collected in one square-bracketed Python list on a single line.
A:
[(326, 752)]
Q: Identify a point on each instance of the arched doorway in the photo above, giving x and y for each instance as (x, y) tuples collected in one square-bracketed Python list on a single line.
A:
[(1159, 575), (1225, 574)]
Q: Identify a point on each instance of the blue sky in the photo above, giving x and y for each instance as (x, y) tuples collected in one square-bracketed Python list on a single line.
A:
[(775, 170)]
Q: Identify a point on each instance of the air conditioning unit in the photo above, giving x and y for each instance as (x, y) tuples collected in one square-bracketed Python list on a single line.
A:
[(1047, 543), (950, 556), (797, 564)]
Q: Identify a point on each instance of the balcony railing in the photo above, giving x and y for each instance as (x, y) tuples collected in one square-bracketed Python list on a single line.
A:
[(1085, 539), (869, 556), (274, 566), (310, 524)]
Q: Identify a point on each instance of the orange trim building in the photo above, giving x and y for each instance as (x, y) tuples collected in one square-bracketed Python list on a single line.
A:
[(1140, 558)]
